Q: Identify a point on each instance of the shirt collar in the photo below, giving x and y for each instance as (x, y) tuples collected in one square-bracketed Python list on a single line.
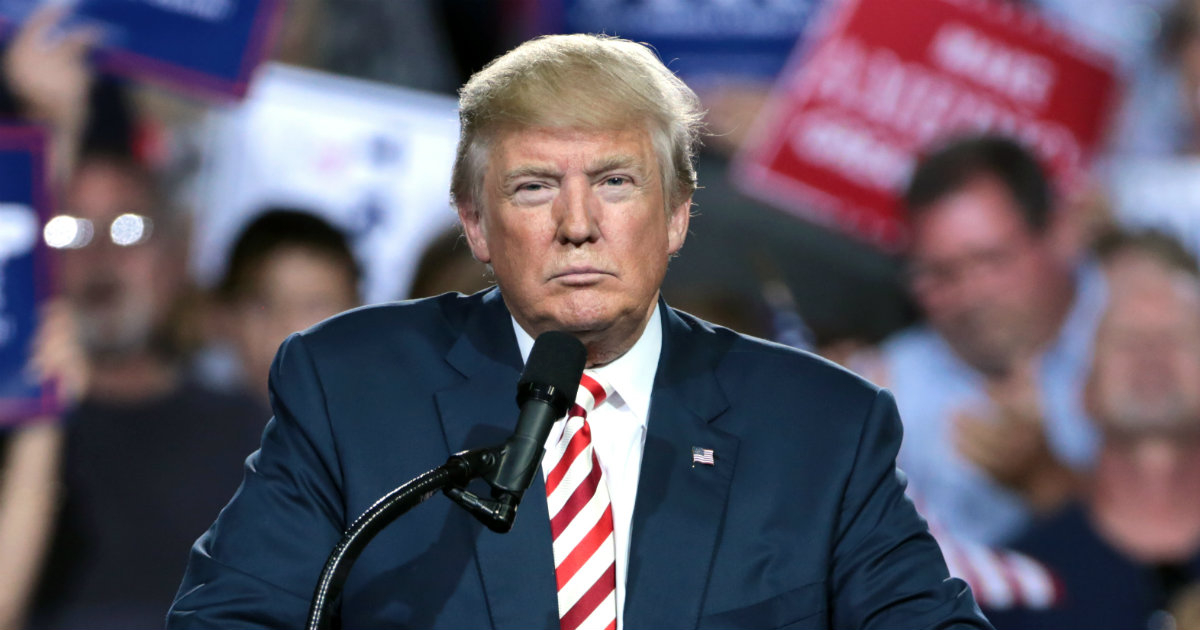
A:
[(631, 374)]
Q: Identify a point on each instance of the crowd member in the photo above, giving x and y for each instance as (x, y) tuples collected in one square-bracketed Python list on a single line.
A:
[(574, 181), (44, 79), (28, 493), (447, 265), (148, 454), (1127, 551), (287, 270), (988, 385), (30, 458)]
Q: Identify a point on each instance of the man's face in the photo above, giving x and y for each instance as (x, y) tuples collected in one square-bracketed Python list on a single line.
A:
[(120, 292), (574, 225), (294, 288), (1146, 366), (975, 270)]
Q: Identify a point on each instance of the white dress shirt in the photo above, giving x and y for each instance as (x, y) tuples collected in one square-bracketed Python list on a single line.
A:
[(618, 431)]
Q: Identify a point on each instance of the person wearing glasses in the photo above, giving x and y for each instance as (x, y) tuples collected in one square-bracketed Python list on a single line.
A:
[(148, 453)]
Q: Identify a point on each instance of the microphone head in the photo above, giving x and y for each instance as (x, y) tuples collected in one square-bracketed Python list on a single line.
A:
[(553, 370)]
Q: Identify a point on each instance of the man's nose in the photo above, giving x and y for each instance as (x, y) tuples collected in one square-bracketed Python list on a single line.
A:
[(577, 213)]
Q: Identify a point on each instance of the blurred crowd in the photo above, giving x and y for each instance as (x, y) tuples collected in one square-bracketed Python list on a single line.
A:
[(1043, 347)]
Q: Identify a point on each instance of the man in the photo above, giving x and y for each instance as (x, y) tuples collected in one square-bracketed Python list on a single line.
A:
[(148, 454), (988, 387), (1130, 548), (751, 485), (288, 270)]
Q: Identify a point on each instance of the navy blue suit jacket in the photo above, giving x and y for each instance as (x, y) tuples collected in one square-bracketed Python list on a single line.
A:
[(802, 522)]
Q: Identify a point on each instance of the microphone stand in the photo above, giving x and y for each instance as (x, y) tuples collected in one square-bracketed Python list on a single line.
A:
[(547, 385), (497, 513)]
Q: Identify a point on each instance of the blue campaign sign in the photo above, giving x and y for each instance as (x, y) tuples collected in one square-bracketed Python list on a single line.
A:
[(24, 277), (209, 47), (697, 38)]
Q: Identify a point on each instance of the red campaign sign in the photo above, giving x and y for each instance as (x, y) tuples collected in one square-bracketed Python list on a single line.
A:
[(839, 138)]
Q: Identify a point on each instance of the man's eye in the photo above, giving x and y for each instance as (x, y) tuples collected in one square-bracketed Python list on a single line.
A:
[(617, 180), (533, 194)]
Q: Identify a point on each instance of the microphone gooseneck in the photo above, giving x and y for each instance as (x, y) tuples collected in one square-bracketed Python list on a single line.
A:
[(544, 393)]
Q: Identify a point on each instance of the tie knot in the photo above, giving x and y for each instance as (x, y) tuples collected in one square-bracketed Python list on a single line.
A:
[(592, 391)]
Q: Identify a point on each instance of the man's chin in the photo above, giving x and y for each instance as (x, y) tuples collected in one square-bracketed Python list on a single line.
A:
[(580, 310), (583, 326), (108, 337), (587, 314)]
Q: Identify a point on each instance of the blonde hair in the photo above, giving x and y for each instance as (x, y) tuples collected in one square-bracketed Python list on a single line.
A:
[(594, 82)]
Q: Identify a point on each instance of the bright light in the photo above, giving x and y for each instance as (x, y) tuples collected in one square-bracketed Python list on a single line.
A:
[(129, 229), (67, 232)]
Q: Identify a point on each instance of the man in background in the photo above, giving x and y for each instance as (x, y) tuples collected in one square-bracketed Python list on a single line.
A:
[(288, 270), (989, 386), (1129, 549), (149, 454)]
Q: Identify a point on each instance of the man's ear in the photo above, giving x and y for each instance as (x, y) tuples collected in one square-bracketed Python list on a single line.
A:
[(475, 230), (677, 226)]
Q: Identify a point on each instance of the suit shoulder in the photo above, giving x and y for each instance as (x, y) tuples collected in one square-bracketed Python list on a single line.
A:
[(748, 360), (367, 348), (428, 318), (778, 393), (791, 364)]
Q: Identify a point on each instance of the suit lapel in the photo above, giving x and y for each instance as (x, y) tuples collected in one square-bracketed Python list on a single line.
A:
[(680, 506), (517, 568)]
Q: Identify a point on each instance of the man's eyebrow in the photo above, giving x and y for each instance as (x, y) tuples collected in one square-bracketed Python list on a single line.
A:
[(613, 163), (531, 170)]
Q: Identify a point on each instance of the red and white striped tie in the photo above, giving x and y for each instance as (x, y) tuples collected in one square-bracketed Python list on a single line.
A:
[(581, 520)]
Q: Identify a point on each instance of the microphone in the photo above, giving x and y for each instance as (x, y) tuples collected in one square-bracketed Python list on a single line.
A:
[(546, 389), (544, 393)]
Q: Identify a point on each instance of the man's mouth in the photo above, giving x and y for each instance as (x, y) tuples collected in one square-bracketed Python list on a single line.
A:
[(580, 275)]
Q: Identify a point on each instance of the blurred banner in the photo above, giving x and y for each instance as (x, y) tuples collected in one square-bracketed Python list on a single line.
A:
[(205, 47), (883, 79), (373, 160), (698, 40), (24, 273)]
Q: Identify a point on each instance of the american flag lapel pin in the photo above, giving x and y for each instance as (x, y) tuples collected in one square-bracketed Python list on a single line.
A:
[(702, 456)]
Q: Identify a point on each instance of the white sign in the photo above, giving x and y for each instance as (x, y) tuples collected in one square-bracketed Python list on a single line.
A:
[(374, 160)]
